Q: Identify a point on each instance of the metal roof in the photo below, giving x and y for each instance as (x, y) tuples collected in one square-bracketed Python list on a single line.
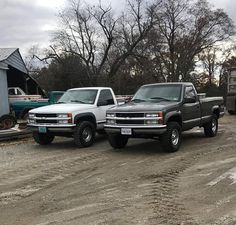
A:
[(6, 53), (12, 57)]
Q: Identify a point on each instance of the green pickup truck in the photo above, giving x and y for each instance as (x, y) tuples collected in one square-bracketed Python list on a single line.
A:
[(21, 108)]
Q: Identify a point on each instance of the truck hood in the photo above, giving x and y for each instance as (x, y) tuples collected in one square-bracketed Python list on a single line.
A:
[(144, 107), (62, 108)]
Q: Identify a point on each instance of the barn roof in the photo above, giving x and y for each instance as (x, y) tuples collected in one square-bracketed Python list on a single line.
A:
[(12, 57), (6, 52)]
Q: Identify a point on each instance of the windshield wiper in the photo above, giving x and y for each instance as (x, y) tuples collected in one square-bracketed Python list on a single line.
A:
[(78, 101), (161, 98), (60, 102), (138, 100)]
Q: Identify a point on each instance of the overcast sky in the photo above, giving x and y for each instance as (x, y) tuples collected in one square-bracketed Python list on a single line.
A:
[(24, 23)]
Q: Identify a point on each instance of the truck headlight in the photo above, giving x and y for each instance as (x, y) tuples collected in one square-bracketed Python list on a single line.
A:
[(110, 121), (65, 118), (63, 121), (152, 115), (31, 115), (30, 121), (62, 115), (111, 115), (151, 122), (154, 118)]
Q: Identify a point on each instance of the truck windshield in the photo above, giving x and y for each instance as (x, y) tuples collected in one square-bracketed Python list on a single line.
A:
[(79, 96), (158, 93)]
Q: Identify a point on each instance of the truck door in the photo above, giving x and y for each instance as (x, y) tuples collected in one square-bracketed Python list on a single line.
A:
[(191, 112), (105, 101)]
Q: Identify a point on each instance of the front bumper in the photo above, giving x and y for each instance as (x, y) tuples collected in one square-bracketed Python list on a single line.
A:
[(137, 130), (53, 128)]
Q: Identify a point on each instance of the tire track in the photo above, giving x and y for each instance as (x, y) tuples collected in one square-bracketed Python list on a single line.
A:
[(51, 176), (164, 195)]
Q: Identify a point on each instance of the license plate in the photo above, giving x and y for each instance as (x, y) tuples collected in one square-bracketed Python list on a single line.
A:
[(42, 129), (126, 131)]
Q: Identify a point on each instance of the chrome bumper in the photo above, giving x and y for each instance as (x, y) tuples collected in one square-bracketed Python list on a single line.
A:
[(53, 128), (155, 130)]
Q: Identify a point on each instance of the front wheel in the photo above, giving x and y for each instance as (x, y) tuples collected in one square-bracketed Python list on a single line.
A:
[(211, 128), (43, 139), (117, 140), (84, 135), (172, 138)]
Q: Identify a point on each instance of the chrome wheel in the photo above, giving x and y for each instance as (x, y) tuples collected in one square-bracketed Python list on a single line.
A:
[(87, 134), (214, 125), (175, 137)]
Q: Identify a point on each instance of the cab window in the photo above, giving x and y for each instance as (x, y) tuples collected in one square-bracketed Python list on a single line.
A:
[(189, 92), (106, 96)]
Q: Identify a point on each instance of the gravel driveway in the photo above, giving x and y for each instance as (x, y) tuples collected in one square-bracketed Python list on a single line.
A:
[(139, 185)]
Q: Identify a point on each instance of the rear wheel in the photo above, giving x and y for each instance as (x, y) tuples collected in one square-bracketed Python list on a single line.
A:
[(7, 122), (172, 138), (43, 139), (84, 134), (231, 112), (211, 128), (117, 140)]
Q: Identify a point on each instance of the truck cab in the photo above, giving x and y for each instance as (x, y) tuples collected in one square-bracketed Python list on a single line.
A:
[(79, 113), (16, 94)]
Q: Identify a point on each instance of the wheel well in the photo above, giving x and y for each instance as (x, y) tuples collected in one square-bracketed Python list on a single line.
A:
[(86, 118), (216, 112), (176, 118), (25, 111)]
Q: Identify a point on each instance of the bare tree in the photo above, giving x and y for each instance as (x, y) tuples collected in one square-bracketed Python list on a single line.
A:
[(100, 39), (210, 62), (187, 28)]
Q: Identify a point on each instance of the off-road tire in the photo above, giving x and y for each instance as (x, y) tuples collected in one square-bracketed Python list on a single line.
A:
[(232, 112), (211, 128), (117, 140), (43, 139), (172, 138), (84, 134), (7, 122)]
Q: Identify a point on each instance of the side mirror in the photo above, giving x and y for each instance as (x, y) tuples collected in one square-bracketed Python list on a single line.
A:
[(190, 100), (101, 103)]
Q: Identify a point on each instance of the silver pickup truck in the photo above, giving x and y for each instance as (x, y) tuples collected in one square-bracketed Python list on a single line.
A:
[(163, 111)]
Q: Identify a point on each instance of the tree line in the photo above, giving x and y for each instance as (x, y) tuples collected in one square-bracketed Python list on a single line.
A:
[(149, 41)]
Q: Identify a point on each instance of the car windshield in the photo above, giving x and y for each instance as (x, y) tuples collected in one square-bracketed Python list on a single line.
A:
[(158, 93), (79, 96)]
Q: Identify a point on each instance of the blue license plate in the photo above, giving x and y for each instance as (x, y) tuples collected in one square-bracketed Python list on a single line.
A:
[(42, 129)]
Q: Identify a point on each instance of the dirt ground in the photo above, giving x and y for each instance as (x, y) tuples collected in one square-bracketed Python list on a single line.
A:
[(61, 184)]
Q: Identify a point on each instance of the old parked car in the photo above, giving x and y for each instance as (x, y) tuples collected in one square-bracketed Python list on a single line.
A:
[(163, 110), (16, 94), (21, 108)]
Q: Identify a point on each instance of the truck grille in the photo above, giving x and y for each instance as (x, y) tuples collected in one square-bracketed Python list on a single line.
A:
[(45, 115), (129, 118), (46, 118), (129, 122), (130, 115), (46, 121)]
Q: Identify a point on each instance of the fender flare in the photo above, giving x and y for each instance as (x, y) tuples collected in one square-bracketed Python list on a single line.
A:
[(89, 116), (172, 114)]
